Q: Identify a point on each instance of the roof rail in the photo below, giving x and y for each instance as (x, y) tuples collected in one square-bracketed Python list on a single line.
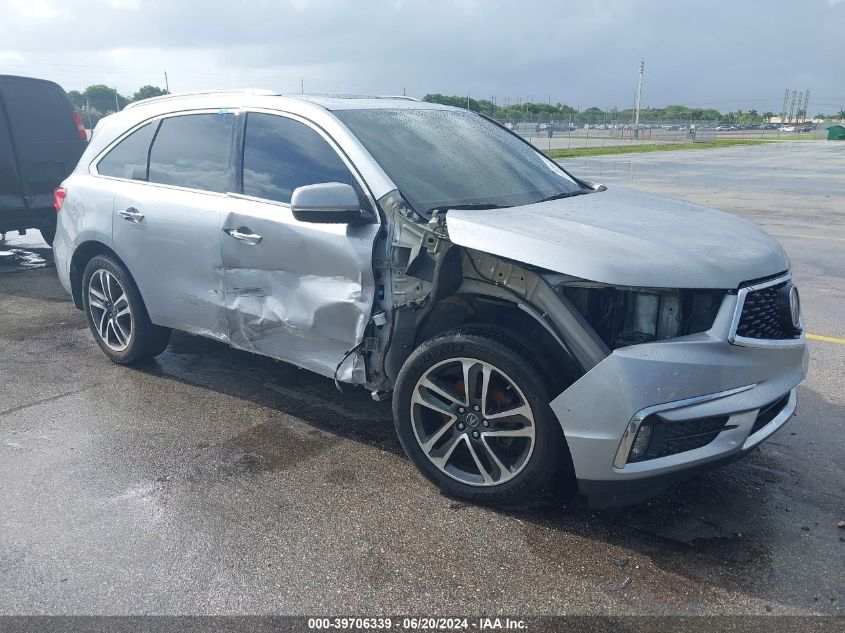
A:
[(180, 95), (405, 97)]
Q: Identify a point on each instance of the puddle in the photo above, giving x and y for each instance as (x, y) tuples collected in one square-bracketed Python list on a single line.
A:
[(20, 259), (270, 447)]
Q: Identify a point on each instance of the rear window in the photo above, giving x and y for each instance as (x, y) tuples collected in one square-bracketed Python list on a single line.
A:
[(38, 111), (193, 151), (128, 159)]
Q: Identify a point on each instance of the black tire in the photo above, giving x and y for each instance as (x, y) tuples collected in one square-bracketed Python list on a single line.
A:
[(48, 233), (549, 460), (145, 340)]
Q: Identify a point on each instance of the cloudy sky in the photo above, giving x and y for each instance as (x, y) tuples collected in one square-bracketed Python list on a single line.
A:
[(726, 54)]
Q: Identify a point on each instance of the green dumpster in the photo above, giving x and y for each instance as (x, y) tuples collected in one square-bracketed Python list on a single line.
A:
[(836, 133)]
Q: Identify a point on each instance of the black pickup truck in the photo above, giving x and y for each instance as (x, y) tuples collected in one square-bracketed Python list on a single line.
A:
[(41, 140)]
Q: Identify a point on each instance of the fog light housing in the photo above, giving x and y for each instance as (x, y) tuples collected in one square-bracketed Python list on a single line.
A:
[(641, 442)]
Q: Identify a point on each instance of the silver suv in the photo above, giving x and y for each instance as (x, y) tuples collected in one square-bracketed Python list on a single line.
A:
[(529, 325)]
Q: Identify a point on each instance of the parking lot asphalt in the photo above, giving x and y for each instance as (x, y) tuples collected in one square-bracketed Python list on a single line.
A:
[(214, 481)]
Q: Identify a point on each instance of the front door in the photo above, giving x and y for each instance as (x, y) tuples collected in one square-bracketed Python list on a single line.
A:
[(296, 291)]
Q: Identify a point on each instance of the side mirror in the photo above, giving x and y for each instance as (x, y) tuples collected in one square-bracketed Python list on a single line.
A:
[(326, 203)]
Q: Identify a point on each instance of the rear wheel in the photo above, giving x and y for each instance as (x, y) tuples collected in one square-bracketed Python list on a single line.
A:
[(116, 313), (472, 412)]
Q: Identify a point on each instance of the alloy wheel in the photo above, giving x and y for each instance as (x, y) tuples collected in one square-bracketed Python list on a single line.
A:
[(109, 309), (472, 422)]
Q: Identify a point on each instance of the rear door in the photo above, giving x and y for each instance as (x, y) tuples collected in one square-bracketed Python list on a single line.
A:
[(45, 136), (296, 291), (166, 221)]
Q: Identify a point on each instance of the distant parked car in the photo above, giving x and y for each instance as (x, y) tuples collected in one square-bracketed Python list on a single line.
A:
[(725, 128), (786, 128), (41, 140)]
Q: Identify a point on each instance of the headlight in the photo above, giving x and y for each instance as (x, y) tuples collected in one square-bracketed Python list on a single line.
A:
[(627, 316)]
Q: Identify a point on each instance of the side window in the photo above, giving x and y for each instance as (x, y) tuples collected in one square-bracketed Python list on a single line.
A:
[(193, 151), (281, 154), (128, 159)]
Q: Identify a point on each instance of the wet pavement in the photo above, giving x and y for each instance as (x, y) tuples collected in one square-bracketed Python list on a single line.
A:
[(214, 481)]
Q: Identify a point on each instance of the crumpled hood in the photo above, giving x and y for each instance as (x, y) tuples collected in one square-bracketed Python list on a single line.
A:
[(625, 237)]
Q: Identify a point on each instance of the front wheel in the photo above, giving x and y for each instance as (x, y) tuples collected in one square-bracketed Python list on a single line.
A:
[(472, 412)]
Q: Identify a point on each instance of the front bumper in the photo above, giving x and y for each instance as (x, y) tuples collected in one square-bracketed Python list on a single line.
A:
[(683, 379)]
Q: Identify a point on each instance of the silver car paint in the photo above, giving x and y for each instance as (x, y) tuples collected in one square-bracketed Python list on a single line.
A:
[(627, 238), (303, 293), (614, 236), (84, 218), (304, 304), (595, 410), (174, 254)]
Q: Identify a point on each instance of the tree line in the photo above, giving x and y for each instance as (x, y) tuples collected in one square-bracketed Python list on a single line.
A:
[(560, 112), (99, 100)]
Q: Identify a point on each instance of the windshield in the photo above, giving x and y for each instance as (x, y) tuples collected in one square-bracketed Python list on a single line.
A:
[(452, 158)]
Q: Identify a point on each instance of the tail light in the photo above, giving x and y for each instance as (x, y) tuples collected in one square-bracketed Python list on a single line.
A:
[(80, 128), (59, 196)]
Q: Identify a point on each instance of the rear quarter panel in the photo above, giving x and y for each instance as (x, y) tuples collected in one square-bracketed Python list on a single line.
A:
[(86, 216)]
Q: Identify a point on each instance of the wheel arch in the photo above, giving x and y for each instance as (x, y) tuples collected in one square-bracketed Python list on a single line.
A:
[(83, 254), (506, 317)]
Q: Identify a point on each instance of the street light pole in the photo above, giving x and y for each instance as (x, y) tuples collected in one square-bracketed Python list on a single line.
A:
[(639, 93)]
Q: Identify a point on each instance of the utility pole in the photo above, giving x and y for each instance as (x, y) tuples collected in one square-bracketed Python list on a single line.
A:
[(639, 93), (116, 104), (793, 96), (88, 113), (806, 104), (302, 85), (783, 111), (166, 83)]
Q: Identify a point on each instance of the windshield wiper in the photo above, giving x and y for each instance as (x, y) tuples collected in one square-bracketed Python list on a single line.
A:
[(475, 206), (565, 194)]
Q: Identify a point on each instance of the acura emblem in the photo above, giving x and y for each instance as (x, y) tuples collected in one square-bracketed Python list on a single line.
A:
[(795, 307)]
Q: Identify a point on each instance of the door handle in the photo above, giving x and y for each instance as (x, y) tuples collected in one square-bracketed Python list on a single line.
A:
[(131, 215), (243, 234)]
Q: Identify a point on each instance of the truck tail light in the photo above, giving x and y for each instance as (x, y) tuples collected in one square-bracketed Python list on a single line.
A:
[(59, 197), (80, 128)]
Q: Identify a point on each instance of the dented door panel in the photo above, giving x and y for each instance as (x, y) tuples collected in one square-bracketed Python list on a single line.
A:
[(303, 293)]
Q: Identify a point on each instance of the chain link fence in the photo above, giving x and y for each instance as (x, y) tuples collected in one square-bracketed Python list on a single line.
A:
[(550, 134)]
